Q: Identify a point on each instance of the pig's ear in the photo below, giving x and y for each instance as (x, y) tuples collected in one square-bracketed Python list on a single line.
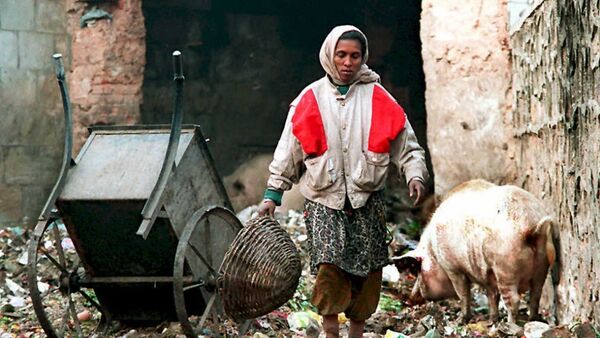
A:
[(410, 261)]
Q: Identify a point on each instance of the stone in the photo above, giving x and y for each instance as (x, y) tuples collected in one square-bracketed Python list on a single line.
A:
[(584, 330), (51, 16), (22, 165), (18, 88), (10, 204), (510, 329), (9, 53), (558, 332), (16, 14), (535, 329), (36, 50), (34, 198)]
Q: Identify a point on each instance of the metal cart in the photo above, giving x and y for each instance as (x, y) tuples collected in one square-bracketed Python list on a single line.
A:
[(134, 230)]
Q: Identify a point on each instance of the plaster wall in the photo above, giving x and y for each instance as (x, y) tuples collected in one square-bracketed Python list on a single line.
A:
[(31, 115), (466, 60), (556, 120)]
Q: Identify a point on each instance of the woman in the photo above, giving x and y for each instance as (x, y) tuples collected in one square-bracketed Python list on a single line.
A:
[(341, 136)]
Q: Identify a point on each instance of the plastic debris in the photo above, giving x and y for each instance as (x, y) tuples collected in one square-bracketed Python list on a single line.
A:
[(17, 302), (260, 335), (448, 330), (23, 258), (17, 231), (428, 322), (394, 334), (510, 329), (478, 329), (432, 334), (15, 288), (84, 316), (390, 274), (304, 320), (535, 329)]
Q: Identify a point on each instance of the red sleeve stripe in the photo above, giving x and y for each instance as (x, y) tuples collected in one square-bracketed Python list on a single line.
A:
[(387, 121), (307, 125)]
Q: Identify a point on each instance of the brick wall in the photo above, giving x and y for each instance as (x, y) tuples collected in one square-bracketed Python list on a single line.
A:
[(31, 121), (107, 70)]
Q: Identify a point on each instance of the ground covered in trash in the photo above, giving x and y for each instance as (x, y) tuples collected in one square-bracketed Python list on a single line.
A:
[(297, 318)]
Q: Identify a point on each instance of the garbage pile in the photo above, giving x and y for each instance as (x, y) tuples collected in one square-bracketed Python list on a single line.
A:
[(297, 318)]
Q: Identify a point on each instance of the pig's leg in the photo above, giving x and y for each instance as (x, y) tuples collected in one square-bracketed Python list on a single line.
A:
[(493, 298), (463, 290), (537, 284), (510, 295)]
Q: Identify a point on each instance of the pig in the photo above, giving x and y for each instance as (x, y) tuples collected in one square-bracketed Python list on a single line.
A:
[(500, 237)]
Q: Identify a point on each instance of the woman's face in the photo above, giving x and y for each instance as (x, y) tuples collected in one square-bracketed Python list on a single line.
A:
[(348, 59)]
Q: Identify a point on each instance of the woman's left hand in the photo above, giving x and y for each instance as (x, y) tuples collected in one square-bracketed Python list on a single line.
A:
[(416, 189)]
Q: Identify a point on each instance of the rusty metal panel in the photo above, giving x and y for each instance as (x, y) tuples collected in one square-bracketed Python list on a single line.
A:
[(104, 234), (101, 205), (194, 184), (120, 164)]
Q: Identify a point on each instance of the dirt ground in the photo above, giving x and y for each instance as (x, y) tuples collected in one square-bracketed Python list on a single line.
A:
[(296, 318)]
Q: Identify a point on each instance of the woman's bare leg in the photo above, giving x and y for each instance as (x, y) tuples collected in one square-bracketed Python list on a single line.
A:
[(331, 326)]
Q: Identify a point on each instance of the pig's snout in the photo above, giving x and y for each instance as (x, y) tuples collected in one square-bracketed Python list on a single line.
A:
[(416, 297)]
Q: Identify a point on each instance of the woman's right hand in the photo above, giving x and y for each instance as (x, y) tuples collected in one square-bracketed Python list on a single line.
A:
[(267, 207)]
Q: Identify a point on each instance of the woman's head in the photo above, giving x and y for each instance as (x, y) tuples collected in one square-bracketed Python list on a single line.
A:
[(348, 55), (343, 56)]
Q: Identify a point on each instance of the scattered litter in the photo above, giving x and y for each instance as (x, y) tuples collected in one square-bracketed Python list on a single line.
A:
[(390, 274), (510, 329), (84, 316), (15, 288), (17, 231), (299, 321), (67, 244), (432, 334), (394, 334), (535, 329), (23, 259), (16, 301), (297, 318), (260, 335)]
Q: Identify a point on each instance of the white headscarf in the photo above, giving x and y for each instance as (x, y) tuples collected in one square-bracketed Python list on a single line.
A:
[(364, 74)]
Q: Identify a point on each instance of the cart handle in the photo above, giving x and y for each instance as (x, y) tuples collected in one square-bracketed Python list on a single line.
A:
[(67, 159), (155, 201)]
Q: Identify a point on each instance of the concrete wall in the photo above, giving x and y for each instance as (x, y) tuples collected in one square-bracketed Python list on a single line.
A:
[(556, 67), (466, 61), (31, 115), (104, 62)]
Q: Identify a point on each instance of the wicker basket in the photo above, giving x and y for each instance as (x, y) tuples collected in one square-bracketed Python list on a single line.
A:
[(260, 271)]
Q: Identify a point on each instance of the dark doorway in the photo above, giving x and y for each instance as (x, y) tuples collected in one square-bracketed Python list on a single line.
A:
[(245, 61)]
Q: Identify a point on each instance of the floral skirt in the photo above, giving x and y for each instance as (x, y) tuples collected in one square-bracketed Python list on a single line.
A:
[(352, 239)]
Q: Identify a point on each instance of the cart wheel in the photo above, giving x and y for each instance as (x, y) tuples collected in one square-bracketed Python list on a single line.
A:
[(54, 272), (200, 251)]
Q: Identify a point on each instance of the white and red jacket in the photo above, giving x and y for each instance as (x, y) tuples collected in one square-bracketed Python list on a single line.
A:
[(336, 145)]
